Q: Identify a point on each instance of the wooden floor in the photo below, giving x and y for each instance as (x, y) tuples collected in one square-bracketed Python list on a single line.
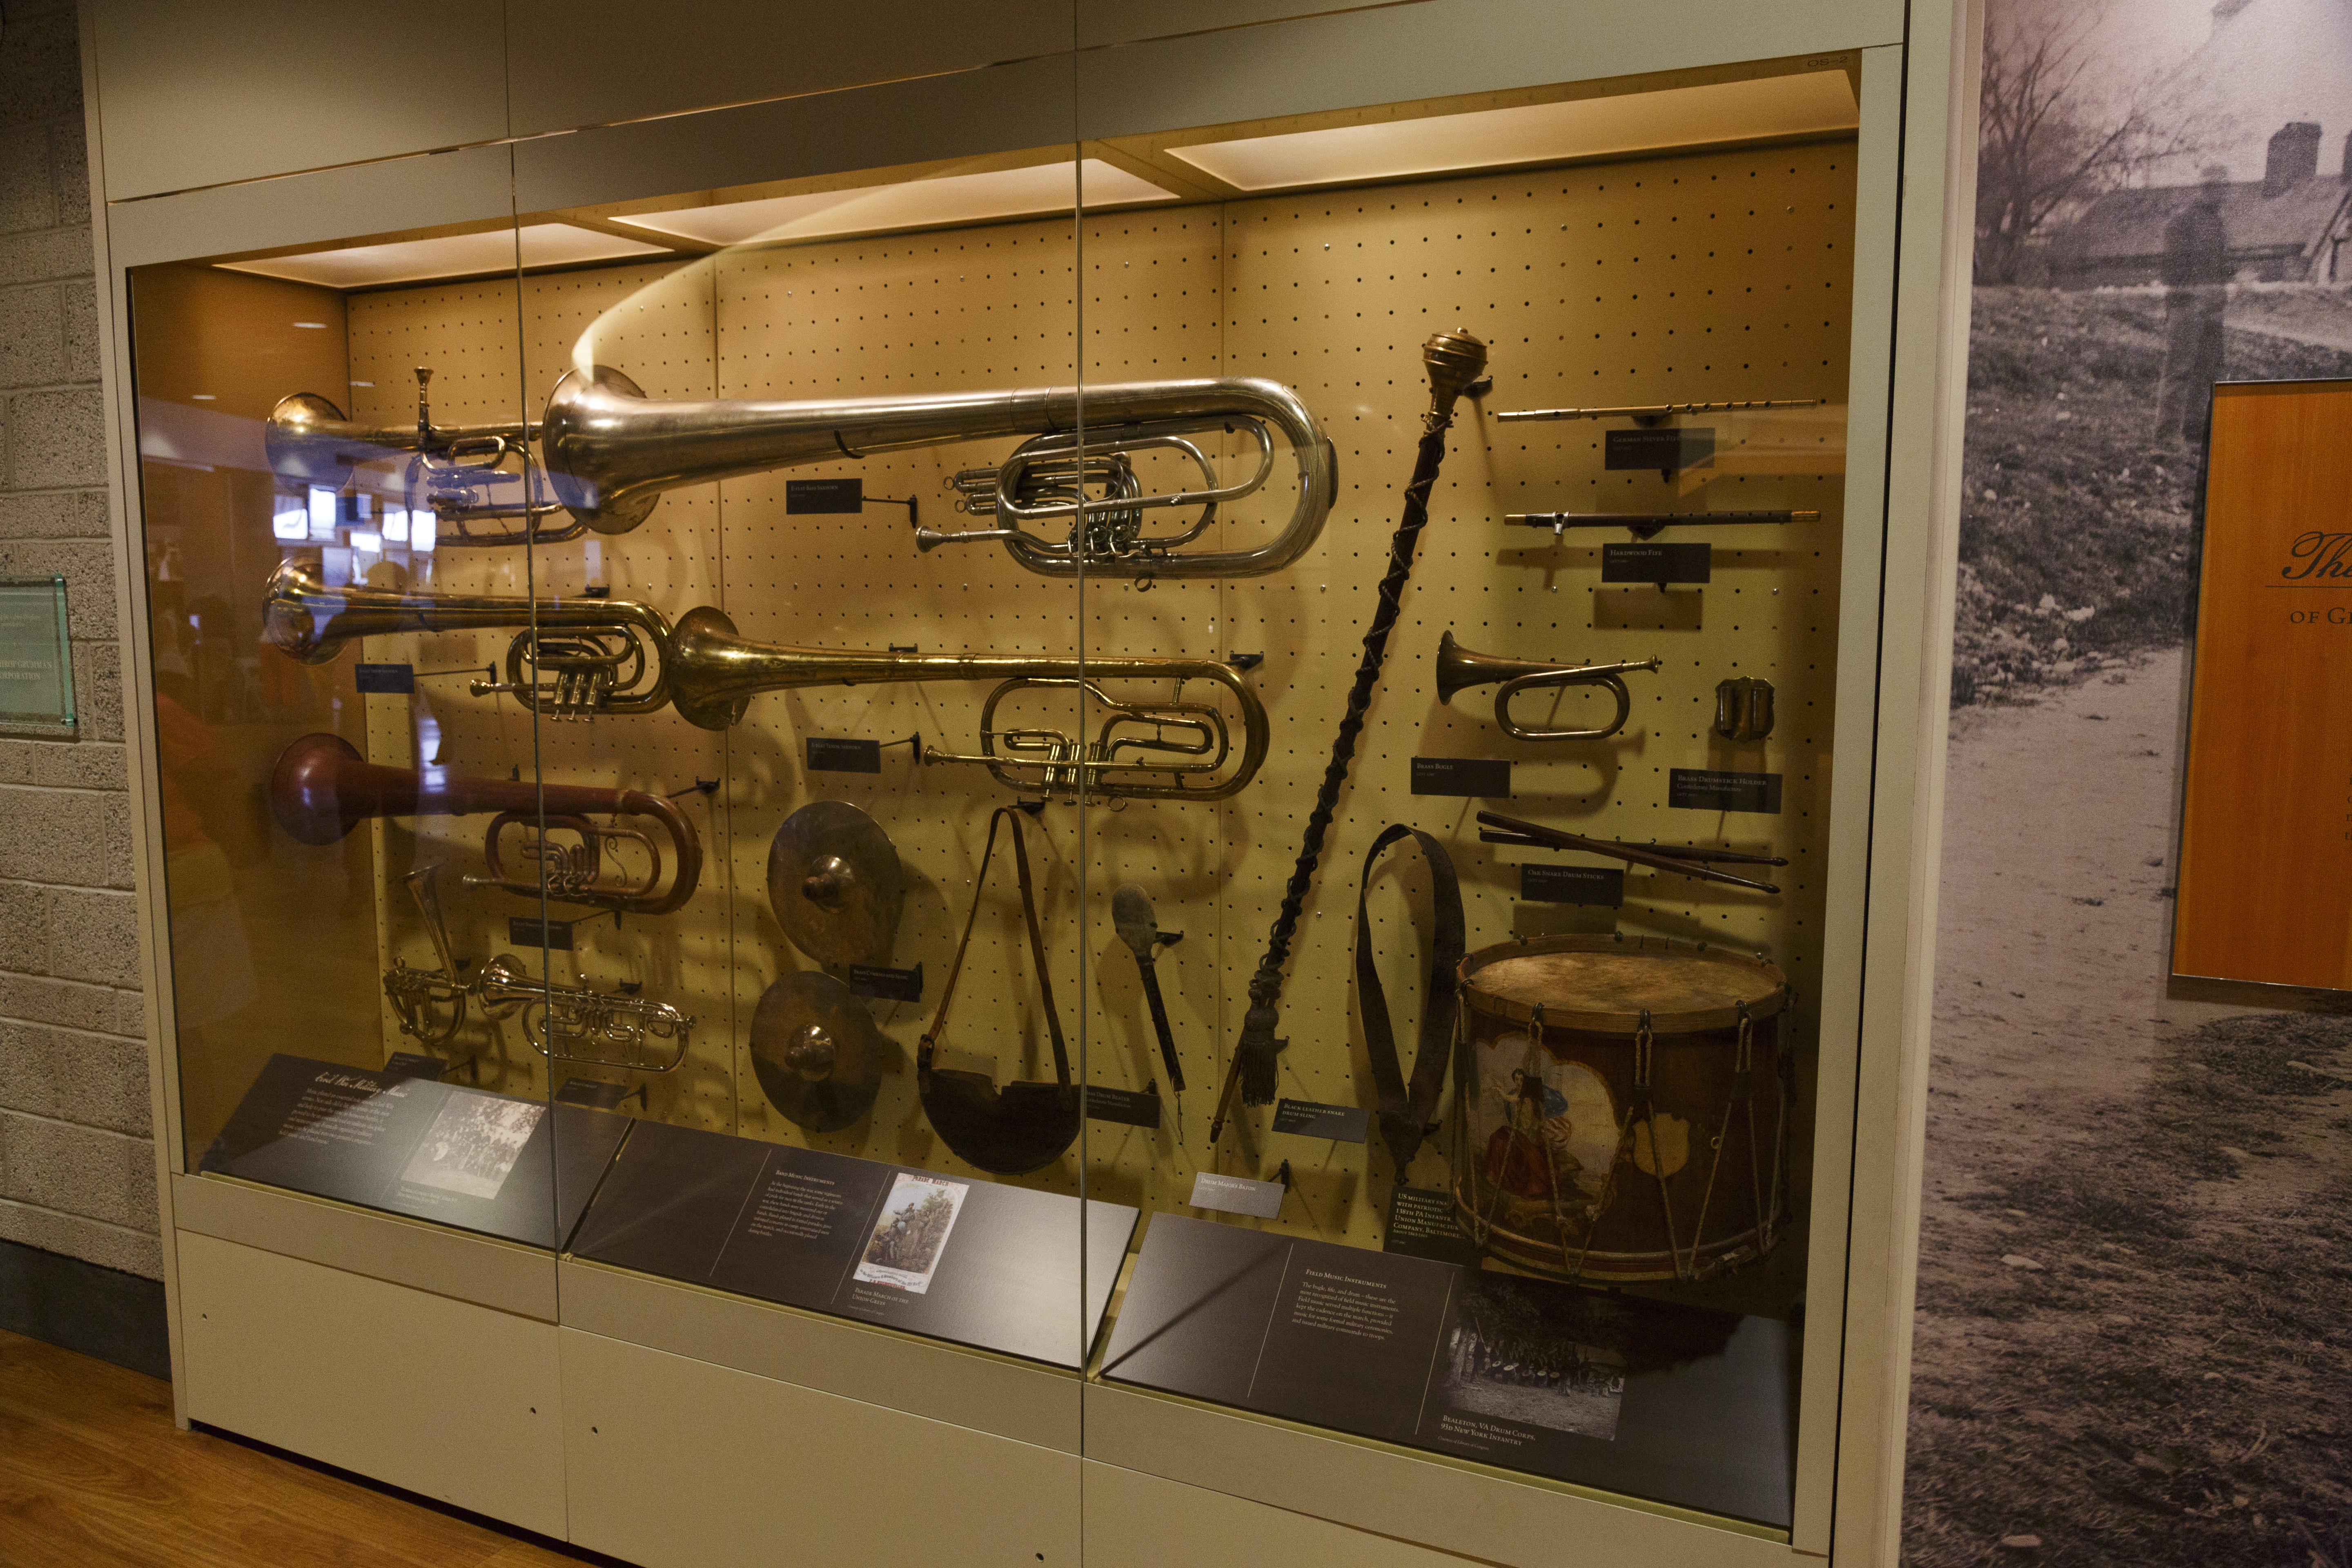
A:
[(92, 1473)]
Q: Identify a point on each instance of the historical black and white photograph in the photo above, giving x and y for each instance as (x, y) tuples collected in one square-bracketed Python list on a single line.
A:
[(910, 1235), (473, 1144), (1514, 1366), (2135, 1295)]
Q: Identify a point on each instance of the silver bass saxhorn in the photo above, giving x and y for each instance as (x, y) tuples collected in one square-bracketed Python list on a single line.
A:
[(609, 452), (460, 473)]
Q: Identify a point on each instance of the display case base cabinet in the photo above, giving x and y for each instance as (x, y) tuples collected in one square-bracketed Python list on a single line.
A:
[(1147, 1521), (456, 1402), (676, 1463)]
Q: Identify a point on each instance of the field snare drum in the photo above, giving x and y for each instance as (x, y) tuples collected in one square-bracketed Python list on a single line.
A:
[(1621, 1109)]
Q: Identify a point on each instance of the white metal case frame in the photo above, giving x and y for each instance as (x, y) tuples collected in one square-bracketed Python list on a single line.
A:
[(1915, 146)]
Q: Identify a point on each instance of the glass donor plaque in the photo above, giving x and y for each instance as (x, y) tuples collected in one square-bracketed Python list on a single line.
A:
[(36, 659)]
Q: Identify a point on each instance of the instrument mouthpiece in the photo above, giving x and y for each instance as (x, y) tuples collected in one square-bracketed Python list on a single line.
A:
[(1130, 914)]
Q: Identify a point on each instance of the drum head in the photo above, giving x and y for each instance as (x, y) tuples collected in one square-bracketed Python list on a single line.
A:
[(1604, 984)]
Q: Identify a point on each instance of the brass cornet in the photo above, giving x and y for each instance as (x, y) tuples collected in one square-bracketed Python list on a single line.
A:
[(322, 788), (572, 659), (451, 469), (1458, 668), (714, 673), (609, 452), (596, 1028)]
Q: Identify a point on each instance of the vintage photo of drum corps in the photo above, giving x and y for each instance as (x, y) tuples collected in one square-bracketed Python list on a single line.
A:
[(1520, 1366), (2134, 1325), (473, 1143)]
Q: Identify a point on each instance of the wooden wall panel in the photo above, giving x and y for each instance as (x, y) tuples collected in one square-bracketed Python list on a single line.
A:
[(2265, 889)]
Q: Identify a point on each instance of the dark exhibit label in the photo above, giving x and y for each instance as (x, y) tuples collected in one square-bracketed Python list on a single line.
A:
[(890, 985), (408, 1064), (1308, 1119), (1422, 1224), (1122, 1105), (1705, 789), (593, 1092), (524, 931), (1237, 1195), (1600, 884), (1659, 446), (1682, 1405), (832, 754), (386, 679), (973, 1262), (1487, 778), (825, 495), (1653, 561), (414, 1146)]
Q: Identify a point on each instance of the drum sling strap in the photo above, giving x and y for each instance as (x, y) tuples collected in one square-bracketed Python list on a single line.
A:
[(1027, 1126), (1405, 1109)]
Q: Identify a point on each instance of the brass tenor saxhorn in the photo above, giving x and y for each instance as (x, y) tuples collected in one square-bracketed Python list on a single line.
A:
[(1458, 668), (714, 673), (452, 469), (322, 788), (571, 659), (609, 452)]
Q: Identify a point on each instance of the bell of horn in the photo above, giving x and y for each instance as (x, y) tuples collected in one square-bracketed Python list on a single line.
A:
[(1459, 669)]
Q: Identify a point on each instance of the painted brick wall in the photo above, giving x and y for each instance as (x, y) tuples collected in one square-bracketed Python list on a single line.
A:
[(76, 1160)]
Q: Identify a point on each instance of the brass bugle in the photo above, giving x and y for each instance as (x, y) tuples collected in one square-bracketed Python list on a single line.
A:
[(1458, 668), (322, 788), (309, 439), (569, 658), (610, 451), (596, 1028), (714, 673)]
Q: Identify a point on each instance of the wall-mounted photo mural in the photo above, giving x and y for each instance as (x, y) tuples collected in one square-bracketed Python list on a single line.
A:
[(2135, 1303)]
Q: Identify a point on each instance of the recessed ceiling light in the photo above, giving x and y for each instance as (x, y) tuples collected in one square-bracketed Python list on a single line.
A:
[(1035, 192), (314, 326), (204, 398), (362, 384), (1817, 103), (453, 256)]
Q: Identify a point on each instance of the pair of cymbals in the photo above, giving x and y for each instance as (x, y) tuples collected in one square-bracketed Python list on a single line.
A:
[(836, 887)]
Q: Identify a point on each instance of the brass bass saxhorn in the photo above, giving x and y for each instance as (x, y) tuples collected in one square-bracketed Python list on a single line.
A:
[(572, 659), (454, 470), (609, 452), (322, 788), (714, 673), (1458, 668)]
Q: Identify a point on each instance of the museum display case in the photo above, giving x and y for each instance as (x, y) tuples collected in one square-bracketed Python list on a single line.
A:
[(1400, 584)]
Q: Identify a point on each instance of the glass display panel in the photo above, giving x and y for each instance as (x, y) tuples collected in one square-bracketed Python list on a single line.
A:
[(687, 762), (1495, 990), (1202, 760), (352, 839)]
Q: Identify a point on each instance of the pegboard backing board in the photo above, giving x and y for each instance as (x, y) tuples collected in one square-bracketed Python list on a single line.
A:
[(1714, 277)]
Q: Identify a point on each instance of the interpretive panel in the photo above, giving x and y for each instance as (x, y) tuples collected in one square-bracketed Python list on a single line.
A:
[(2265, 886), (518, 1169), (969, 1261), (1681, 1405)]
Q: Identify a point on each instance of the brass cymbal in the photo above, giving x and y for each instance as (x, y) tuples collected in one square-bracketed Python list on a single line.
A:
[(816, 1050), (834, 883)]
